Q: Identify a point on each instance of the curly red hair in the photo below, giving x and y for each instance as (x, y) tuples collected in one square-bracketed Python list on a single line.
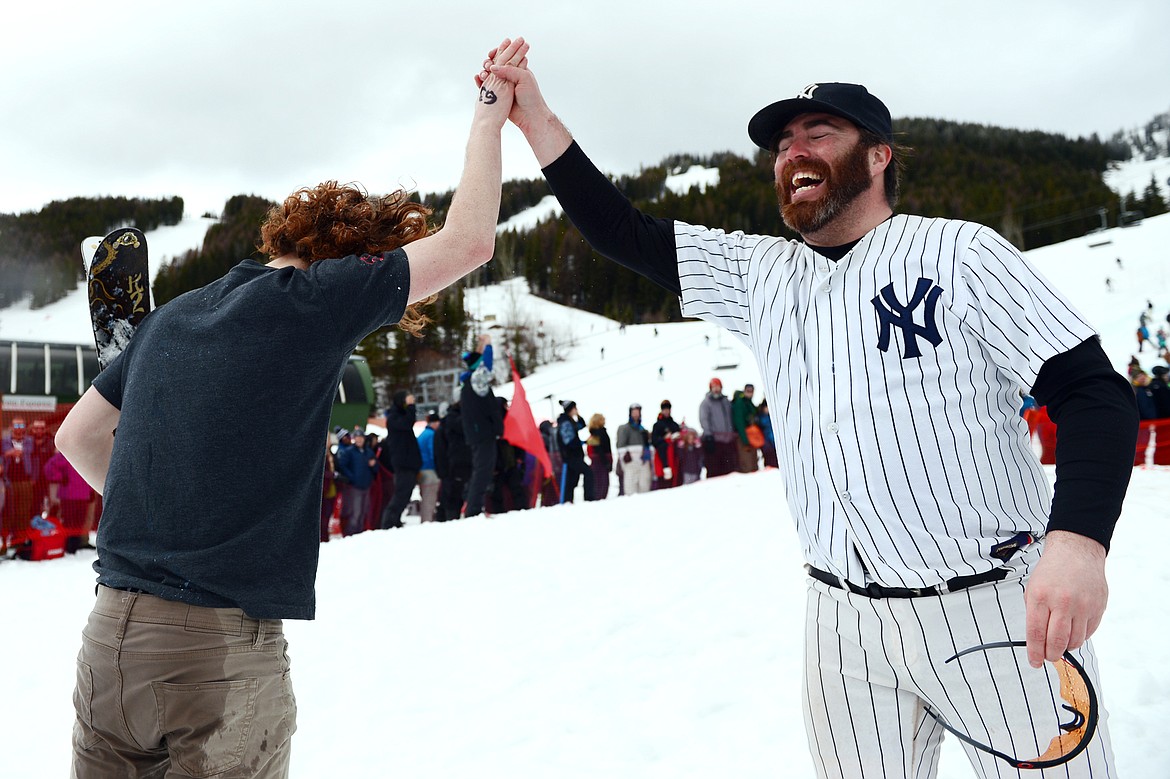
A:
[(332, 220)]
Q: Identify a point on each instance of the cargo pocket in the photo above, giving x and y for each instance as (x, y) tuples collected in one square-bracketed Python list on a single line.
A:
[(206, 725), (84, 736)]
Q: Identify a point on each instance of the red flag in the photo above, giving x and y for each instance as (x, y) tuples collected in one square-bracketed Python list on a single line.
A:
[(520, 427)]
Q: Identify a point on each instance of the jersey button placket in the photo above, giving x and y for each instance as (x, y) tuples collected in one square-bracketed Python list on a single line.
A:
[(825, 270)]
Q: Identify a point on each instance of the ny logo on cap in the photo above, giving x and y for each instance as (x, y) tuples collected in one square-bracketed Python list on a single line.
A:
[(807, 92)]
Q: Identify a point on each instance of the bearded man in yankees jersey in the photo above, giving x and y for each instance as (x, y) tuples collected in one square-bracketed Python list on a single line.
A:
[(897, 349)]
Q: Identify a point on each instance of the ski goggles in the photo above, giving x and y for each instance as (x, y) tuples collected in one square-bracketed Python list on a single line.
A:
[(1080, 699)]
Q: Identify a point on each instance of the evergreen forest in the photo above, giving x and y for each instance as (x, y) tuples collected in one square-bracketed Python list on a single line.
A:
[(1035, 188)]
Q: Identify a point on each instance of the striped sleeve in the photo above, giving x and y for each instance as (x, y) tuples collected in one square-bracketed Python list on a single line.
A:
[(1018, 315), (713, 267)]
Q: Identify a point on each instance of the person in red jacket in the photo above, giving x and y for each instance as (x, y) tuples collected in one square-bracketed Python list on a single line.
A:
[(70, 497)]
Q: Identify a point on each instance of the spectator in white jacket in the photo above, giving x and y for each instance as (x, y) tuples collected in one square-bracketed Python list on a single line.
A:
[(634, 454)]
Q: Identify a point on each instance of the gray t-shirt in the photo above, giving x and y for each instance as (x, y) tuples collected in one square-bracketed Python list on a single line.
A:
[(214, 488)]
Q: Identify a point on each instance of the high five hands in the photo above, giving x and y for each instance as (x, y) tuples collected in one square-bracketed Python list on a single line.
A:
[(496, 93), (547, 136), (528, 100)]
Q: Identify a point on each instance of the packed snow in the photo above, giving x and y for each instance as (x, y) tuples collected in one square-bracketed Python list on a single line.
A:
[(649, 636)]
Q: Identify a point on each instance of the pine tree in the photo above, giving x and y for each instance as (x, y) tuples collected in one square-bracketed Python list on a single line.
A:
[(1152, 202)]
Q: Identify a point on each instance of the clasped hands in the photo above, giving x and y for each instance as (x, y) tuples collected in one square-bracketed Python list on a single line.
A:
[(493, 87)]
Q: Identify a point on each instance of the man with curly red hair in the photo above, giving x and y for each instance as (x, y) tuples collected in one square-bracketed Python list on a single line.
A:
[(183, 664)]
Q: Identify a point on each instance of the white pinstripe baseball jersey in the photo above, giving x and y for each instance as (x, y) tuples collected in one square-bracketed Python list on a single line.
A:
[(894, 381)]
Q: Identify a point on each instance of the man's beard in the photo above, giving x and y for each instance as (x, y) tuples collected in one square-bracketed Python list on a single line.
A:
[(844, 184)]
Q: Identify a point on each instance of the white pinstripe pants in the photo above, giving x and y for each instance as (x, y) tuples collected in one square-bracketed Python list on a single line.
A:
[(871, 664)]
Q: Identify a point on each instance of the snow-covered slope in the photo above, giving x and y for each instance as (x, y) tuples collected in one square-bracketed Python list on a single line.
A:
[(1134, 175), (681, 181), (605, 368), (647, 636), (1081, 267), (67, 320)]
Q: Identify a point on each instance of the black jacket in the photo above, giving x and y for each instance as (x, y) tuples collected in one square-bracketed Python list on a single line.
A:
[(567, 439), (482, 418), (1160, 392), (663, 427), (452, 454), (403, 446)]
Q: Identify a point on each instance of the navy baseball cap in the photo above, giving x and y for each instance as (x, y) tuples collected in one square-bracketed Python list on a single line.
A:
[(850, 101)]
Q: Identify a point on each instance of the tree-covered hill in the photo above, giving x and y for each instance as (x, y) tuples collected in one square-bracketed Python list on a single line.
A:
[(40, 250), (1035, 188), (233, 238)]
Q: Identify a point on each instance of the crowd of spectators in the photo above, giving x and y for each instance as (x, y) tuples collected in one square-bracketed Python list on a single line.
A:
[(1150, 389), (463, 466), (735, 435), (1152, 392), (36, 480)]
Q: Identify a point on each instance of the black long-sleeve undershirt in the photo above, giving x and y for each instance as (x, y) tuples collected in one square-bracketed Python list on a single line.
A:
[(1097, 420), (1092, 404), (610, 223)]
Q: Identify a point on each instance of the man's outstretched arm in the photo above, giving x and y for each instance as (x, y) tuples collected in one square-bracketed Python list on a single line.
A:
[(604, 216), (467, 238), (545, 133)]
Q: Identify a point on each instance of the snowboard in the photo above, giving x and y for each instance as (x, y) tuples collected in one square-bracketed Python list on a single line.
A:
[(119, 289)]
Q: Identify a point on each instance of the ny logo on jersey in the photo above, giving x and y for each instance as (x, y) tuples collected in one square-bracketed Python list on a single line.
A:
[(807, 92), (898, 315)]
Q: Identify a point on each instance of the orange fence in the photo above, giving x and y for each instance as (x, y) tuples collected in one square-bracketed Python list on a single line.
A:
[(1153, 443)]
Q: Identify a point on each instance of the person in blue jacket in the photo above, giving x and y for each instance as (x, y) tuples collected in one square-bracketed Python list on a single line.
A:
[(428, 476), (356, 466)]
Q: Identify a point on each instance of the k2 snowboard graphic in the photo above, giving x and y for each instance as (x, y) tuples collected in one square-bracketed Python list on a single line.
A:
[(119, 288)]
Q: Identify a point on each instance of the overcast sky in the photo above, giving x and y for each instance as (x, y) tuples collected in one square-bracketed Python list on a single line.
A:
[(209, 99)]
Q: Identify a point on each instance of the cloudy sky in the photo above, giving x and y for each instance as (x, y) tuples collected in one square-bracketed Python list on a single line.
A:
[(209, 99)]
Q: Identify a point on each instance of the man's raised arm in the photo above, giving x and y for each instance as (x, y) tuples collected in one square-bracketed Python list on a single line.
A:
[(545, 133), (605, 217)]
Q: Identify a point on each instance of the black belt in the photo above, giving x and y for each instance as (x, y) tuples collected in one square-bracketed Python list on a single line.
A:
[(878, 591), (120, 589)]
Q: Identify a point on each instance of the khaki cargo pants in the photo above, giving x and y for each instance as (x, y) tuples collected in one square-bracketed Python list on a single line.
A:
[(170, 690)]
